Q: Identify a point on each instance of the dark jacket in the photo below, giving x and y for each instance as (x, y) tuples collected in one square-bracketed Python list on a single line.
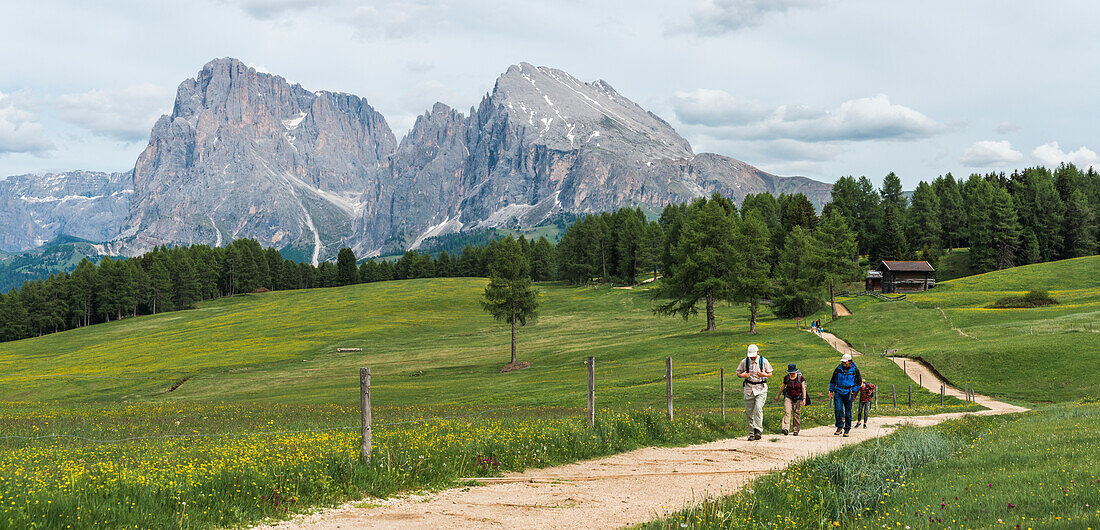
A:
[(845, 381)]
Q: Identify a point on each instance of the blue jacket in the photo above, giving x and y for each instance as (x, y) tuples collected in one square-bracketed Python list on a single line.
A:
[(845, 381)]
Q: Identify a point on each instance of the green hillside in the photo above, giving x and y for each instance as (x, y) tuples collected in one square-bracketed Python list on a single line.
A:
[(1041, 354), (427, 342)]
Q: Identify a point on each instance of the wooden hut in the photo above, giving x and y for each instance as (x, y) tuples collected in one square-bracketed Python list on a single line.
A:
[(906, 276), (874, 281)]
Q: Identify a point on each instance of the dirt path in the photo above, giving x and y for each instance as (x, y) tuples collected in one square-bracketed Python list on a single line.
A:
[(841, 311), (924, 376), (623, 489)]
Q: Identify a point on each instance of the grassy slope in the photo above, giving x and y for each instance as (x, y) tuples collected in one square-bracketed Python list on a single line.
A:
[(997, 355), (1037, 470), (954, 265), (428, 343)]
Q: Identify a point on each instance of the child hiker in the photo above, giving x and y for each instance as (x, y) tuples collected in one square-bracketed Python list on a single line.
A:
[(866, 394)]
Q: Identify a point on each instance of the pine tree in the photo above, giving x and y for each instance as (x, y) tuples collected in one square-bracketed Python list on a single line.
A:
[(952, 216), (82, 288), (924, 218), (703, 261), (160, 284), (836, 246), (629, 239), (753, 276), (509, 296), (800, 285), (1005, 229), (1080, 234), (184, 280), (13, 318), (542, 260), (346, 271)]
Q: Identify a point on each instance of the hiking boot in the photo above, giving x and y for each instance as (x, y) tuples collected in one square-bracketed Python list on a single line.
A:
[(752, 436), (795, 433), (785, 432), (864, 425), (838, 431), (857, 424), (845, 434), (756, 434)]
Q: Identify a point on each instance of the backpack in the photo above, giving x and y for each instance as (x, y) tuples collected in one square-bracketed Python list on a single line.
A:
[(748, 362)]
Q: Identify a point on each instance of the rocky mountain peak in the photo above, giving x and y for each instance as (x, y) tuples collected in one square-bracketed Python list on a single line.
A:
[(564, 113)]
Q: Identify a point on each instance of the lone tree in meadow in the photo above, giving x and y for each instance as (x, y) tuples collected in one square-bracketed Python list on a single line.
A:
[(509, 296), (703, 259)]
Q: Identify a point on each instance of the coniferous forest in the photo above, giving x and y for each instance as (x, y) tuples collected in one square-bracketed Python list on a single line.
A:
[(774, 249)]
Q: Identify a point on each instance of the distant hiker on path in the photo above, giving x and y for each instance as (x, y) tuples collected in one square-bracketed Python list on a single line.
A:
[(793, 394), (755, 370), (842, 388), (866, 394)]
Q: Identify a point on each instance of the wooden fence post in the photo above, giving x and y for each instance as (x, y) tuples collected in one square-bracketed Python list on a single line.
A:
[(941, 395), (591, 390), (894, 395), (668, 384), (722, 378), (910, 395), (920, 379), (364, 402)]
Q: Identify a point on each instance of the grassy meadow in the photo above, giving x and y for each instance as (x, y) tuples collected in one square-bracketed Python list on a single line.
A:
[(243, 409), (1037, 355), (428, 343), (1040, 469)]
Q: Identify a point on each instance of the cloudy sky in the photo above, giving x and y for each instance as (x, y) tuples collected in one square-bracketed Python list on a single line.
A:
[(797, 87)]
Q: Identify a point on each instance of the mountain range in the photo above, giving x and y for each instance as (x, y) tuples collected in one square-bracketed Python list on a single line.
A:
[(247, 154)]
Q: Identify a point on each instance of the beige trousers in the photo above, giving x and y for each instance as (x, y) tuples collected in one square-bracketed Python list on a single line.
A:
[(792, 414), (754, 410)]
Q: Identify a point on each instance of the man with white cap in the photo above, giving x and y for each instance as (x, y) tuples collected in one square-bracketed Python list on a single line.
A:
[(755, 370), (842, 387)]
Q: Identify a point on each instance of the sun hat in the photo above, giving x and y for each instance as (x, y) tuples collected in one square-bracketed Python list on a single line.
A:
[(753, 350), (791, 368), (845, 357)]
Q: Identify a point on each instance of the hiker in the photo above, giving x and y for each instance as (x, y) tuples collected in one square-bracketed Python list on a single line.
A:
[(842, 388), (866, 393), (793, 393), (755, 370)]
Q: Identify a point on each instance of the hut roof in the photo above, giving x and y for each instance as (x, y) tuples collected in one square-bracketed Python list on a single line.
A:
[(906, 266)]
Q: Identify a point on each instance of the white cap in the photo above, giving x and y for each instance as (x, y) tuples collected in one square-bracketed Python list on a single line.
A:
[(753, 350), (845, 357)]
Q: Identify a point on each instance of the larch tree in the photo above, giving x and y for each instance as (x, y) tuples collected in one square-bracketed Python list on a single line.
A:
[(837, 251), (509, 297), (703, 262), (753, 278)]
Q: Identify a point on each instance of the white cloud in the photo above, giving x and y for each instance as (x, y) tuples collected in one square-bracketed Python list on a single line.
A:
[(1006, 127), (127, 114), (273, 9), (989, 153), (20, 131), (719, 17), (716, 108), (1051, 154), (397, 19), (862, 119)]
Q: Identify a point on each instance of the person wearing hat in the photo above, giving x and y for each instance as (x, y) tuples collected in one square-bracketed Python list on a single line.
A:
[(755, 371), (842, 388), (793, 393)]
